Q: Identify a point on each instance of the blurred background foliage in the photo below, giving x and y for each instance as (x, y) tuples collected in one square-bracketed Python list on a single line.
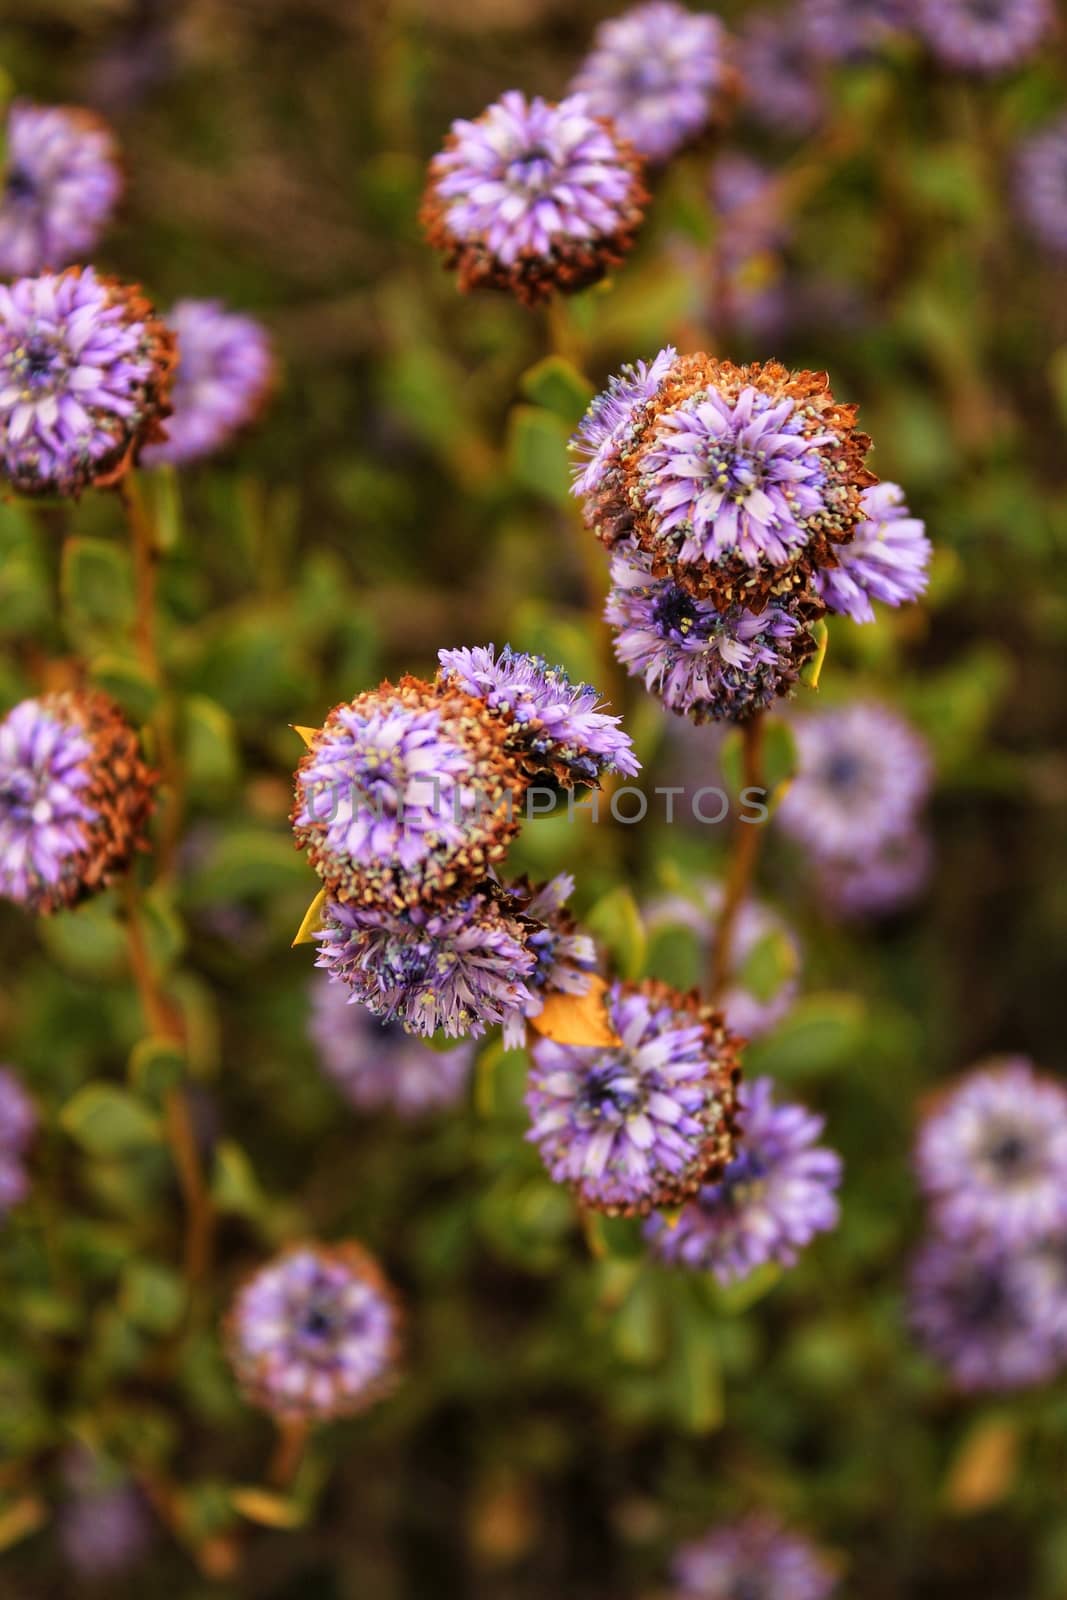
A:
[(569, 1413)]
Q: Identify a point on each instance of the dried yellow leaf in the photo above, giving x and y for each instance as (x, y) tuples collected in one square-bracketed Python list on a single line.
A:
[(577, 1018), (312, 923)]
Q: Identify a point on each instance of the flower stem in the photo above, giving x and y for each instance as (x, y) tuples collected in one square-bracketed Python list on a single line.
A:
[(742, 862), (293, 1436)]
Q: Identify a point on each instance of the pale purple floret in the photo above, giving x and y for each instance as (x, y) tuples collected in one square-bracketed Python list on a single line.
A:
[(224, 372), (386, 784), (559, 724), (754, 1559), (984, 35), (888, 559), (1041, 184), (659, 72), (701, 662), (377, 1065), (60, 185), (606, 427), (75, 373), (993, 1158), (624, 1123), (105, 1527), (564, 959), (862, 775), (459, 970), (528, 177), (751, 1008), (848, 30), (979, 1315), (774, 1197), (778, 88), (879, 883), (313, 1334), (741, 477), (44, 822)]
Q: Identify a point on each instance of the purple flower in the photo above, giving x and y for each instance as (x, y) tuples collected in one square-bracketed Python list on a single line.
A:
[(377, 1065), (224, 377), (104, 1527), (750, 1007), (406, 795), (644, 1122), (778, 89), (554, 725), (1043, 1269), (74, 798), (993, 1157), (62, 181), (460, 968), (703, 663), (533, 197), (862, 775), (18, 1119), (738, 482), (878, 883), (984, 35), (886, 560), (660, 73), (754, 1559), (315, 1334), (85, 372), (1041, 184), (774, 1197), (563, 957), (981, 1316), (745, 194), (605, 429), (847, 30)]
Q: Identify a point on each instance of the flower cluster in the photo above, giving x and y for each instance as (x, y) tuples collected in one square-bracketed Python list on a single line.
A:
[(223, 382), (984, 35), (105, 1526), (1041, 183), (661, 74), (534, 198), (85, 375), (60, 185), (989, 1289), (772, 1199), (848, 30), (753, 1557), (74, 798), (376, 1064), (779, 89), (643, 1122), (863, 775), (887, 559), (315, 1334), (750, 289), (18, 1123), (406, 803)]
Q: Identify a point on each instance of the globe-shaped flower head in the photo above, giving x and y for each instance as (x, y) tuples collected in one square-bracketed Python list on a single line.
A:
[(862, 774), (458, 968), (60, 184), (887, 559), (738, 482), (984, 35), (981, 1315), (703, 663), (774, 1197), (74, 798), (85, 375), (223, 382), (848, 30), (533, 197), (993, 1157), (564, 959), (778, 87), (661, 73), (555, 727), (315, 1334), (1041, 185), (644, 1122), (407, 795), (754, 1559), (877, 883), (377, 1065)]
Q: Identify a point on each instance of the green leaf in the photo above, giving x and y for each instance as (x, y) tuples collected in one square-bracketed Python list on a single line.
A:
[(822, 1033), (768, 965), (127, 682), (537, 453), (210, 746), (108, 1121), (235, 1188), (152, 1296), (640, 1325), (245, 863), (695, 1379), (97, 585), (616, 922), (89, 941), (156, 1066), (812, 670), (557, 385)]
